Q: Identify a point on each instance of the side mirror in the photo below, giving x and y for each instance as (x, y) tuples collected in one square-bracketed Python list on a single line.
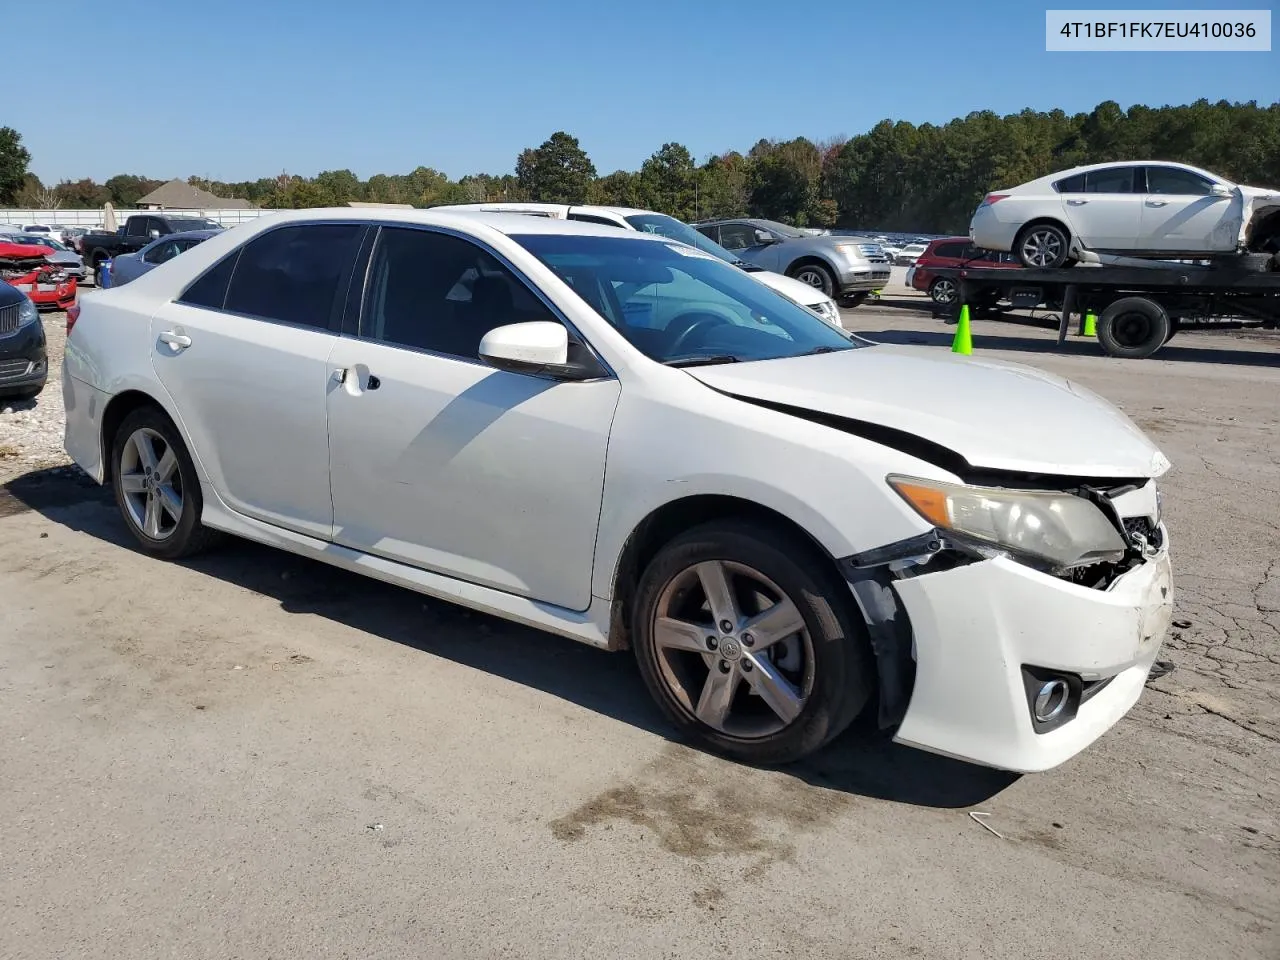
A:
[(538, 347), (153, 234), (764, 237), (1219, 190)]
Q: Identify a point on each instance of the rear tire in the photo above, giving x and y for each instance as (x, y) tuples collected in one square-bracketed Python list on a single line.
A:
[(1133, 328), (156, 486), (768, 697), (1043, 246), (943, 291), (816, 276)]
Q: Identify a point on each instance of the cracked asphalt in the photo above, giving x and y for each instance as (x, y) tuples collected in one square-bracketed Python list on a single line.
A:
[(252, 755)]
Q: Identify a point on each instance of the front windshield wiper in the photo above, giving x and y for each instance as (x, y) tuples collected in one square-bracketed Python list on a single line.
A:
[(824, 349), (749, 267), (702, 361)]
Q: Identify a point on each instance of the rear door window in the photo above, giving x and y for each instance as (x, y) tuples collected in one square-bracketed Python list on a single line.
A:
[(1111, 180), (296, 275)]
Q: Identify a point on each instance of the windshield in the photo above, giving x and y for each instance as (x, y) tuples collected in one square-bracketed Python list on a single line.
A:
[(34, 240), (184, 224), (781, 228), (678, 305), (674, 229)]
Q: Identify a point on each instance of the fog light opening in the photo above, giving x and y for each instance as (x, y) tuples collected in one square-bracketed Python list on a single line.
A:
[(1051, 699)]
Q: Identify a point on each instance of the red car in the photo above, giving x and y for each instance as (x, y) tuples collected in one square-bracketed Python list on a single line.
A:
[(952, 252), (25, 267)]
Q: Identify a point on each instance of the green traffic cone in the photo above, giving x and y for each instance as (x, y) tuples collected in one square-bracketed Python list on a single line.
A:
[(1090, 325), (962, 343)]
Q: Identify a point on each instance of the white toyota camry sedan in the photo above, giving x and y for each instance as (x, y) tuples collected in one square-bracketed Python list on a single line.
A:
[(618, 438)]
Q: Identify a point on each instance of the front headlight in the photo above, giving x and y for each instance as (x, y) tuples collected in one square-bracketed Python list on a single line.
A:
[(1059, 529), (27, 313)]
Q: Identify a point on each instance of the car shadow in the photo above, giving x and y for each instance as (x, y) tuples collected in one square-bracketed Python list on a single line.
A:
[(1073, 346), (869, 765)]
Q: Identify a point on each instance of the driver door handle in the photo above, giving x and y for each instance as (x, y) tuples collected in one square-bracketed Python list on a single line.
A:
[(1076, 203), (1157, 203), (179, 341)]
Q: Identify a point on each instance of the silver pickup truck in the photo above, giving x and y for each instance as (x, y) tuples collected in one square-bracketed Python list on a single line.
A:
[(845, 268)]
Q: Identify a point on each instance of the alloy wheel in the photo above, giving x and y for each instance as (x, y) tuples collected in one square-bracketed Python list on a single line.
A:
[(151, 482), (943, 291), (812, 277), (1042, 247), (733, 649)]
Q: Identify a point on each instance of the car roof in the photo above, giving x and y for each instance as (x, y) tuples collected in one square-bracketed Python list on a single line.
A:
[(498, 206), (506, 223), (183, 234), (1085, 168)]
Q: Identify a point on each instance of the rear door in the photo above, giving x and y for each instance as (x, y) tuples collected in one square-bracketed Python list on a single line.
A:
[(1105, 210), (244, 355), (1180, 213)]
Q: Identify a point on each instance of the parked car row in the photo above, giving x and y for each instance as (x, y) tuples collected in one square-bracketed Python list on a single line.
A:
[(137, 232)]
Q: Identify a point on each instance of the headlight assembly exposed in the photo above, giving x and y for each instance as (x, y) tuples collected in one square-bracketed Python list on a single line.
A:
[(1060, 530)]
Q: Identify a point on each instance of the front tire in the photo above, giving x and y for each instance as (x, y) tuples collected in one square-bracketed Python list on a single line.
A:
[(746, 639), (1043, 246), (815, 275), (156, 486)]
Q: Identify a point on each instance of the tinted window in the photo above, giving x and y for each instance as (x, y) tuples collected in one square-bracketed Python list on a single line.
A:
[(1113, 180), (136, 227), (591, 218), (162, 252), (293, 274), (956, 250), (211, 289), (1071, 184), (737, 236), (441, 293), (711, 233), (1169, 180)]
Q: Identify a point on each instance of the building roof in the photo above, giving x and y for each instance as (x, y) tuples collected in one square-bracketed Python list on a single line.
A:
[(179, 195)]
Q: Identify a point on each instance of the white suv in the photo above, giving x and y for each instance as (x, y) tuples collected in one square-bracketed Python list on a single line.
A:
[(650, 221), (1140, 209)]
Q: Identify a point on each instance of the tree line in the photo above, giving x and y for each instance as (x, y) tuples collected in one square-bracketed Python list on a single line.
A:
[(897, 176)]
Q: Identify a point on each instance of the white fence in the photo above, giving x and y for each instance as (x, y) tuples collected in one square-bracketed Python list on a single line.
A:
[(93, 218)]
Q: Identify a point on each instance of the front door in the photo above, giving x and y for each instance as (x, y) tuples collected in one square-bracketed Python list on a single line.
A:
[(1181, 213), (244, 355), (444, 463)]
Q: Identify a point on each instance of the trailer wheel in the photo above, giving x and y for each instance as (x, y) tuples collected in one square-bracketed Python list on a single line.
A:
[(1133, 328)]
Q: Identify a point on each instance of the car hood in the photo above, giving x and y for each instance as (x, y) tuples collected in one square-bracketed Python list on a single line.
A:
[(801, 293), (65, 257), (994, 414)]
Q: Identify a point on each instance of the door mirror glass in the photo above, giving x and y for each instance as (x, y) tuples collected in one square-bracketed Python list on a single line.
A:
[(153, 234), (1220, 190), (764, 236), (526, 347)]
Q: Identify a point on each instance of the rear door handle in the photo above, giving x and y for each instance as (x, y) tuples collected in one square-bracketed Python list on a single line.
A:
[(1076, 203), (1157, 203), (179, 341)]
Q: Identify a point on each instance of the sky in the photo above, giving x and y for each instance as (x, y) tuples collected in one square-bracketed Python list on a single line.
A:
[(243, 89)]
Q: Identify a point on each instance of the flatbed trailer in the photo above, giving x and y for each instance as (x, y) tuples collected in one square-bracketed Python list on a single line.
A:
[(1138, 309)]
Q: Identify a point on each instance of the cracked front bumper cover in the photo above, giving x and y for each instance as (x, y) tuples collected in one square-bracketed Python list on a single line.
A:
[(972, 628)]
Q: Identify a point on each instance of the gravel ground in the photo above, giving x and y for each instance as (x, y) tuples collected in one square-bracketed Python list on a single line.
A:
[(31, 430), (253, 755)]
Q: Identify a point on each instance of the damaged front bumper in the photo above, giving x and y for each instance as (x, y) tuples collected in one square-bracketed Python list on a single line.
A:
[(992, 661), (49, 289)]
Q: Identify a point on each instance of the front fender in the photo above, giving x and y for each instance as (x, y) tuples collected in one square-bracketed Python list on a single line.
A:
[(691, 442)]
